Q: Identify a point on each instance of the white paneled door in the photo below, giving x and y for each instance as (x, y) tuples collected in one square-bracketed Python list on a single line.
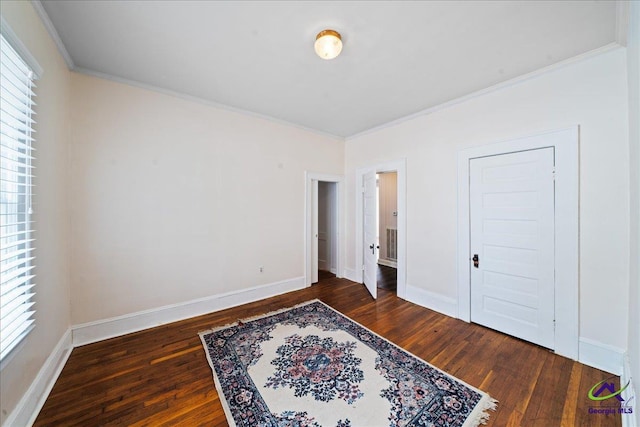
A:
[(370, 233), (512, 244)]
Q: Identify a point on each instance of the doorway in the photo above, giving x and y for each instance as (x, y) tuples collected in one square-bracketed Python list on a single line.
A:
[(323, 249), (370, 265), (327, 229), (387, 197), (563, 144)]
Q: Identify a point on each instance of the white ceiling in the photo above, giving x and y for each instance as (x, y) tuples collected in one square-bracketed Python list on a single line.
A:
[(398, 57)]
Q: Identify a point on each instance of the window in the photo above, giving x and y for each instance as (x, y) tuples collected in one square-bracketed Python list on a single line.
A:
[(16, 238)]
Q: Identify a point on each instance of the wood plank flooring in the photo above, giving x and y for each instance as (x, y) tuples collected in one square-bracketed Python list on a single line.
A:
[(160, 377), (387, 278)]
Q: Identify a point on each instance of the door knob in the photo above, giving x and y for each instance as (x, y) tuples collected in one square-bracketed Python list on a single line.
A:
[(476, 260), (373, 248)]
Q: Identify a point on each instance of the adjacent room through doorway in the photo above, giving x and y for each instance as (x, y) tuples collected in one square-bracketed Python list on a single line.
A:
[(381, 226), (387, 220), (327, 230)]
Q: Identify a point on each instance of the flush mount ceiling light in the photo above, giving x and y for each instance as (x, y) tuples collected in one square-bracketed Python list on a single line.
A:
[(328, 44)]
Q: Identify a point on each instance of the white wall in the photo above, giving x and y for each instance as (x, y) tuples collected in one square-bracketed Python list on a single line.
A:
[(50, 208), (633, 58), (591, 93), (175, 200)]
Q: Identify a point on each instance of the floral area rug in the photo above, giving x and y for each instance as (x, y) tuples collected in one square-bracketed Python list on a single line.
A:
[(311, 366)]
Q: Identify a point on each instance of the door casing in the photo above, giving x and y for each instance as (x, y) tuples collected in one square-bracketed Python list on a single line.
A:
[(566, 144), (314, 231), (311, 202)]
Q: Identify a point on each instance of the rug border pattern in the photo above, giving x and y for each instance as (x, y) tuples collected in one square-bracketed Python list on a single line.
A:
[(476, 417)]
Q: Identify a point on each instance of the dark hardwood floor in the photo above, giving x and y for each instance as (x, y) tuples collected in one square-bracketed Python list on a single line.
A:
[(160, 376), (325, 275), (387, 278)]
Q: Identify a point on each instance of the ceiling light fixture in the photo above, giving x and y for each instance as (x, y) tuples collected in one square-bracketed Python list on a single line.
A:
[(328, 44)]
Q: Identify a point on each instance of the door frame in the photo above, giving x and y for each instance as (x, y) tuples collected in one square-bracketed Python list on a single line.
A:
[(400, 167), (311, 204), (567, 250)]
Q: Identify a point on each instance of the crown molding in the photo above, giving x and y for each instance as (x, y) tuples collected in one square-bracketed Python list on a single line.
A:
[(621, 29), (203, 101), (46, 21), (622, 22), (503, 85)]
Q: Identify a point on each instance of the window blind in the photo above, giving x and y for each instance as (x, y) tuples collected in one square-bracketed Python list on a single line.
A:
[(16, 235)]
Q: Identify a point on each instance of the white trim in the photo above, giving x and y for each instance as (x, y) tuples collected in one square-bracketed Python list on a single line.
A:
[(388, 263), (497, 87), (433, 301), (601, 356), (99, 330), (309, 178), (400, 167), (46, 21), (29, 406), (51, 29), (352, 275), (203, 101), (629, 420), (622, 22), (313, 231), (359, 191), (621, 26), (566, 145), (20, 48)]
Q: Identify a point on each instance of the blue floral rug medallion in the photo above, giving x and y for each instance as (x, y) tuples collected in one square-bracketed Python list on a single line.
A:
[(310, 366)]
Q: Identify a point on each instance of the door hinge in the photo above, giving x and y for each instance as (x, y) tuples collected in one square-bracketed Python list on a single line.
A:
[(553, 173), (363, 267)]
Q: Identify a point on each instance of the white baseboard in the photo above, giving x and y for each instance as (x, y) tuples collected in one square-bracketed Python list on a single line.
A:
[(29, 406), (91, 332), (432, 301), (334, 270), (601, 356), (388, 263), (629, 420), (352, 275)]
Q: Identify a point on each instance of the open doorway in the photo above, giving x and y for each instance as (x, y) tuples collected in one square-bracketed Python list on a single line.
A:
[(387, 220), (327, 230), (368, 231), (324, 226)]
